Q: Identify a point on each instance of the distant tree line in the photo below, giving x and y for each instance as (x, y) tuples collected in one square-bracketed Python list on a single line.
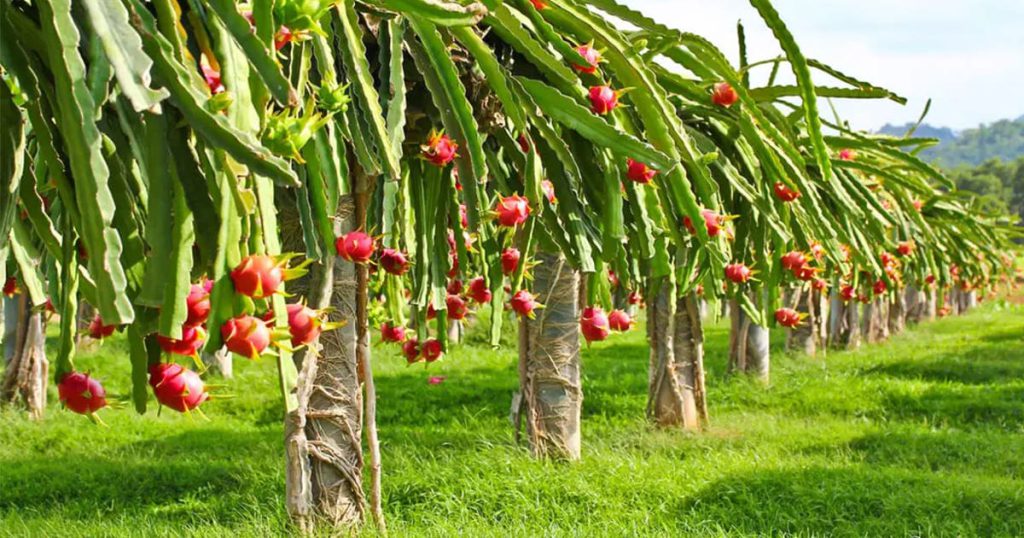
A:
[(1003, 140), (988, 160), (999, 184)]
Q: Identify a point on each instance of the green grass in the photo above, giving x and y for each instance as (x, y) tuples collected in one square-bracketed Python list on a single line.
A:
[(922, 436)]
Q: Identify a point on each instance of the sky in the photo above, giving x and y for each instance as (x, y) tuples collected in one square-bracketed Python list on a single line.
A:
[(966, 55)]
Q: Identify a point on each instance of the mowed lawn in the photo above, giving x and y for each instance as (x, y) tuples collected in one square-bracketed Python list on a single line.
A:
[(921, 436)]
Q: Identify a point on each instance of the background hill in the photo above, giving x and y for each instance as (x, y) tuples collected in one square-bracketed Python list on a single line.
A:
[(987, 160), (1003, 139)]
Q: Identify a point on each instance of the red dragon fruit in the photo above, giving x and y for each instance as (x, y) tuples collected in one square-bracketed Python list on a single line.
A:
[(99, 331), (394, 261), (724, 95), (512, 210), (10, 286), (391, 332), (523, 303), (432, 349), (787, 317), (81, 393), (738, 273), (794, 260), (258, 276), (592, 57), (177, 387), (478, 290), (548, 188), (457, 308), (245, 335), (620, 321), (282, 37), (356, 247), (192, 339), (509, 260), (213, 80), (714, 223), (639, 172), (784, 193), (817, 250), (594, 324), (411, 350), (198, 303), (905, 248), (805, 272), (305, 324), (603, 99), (439, 149)]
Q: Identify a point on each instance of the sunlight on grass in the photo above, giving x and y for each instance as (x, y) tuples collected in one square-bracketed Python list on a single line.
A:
[(921, 436)]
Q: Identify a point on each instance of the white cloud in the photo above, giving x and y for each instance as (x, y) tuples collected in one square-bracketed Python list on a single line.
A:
[(967, 55)]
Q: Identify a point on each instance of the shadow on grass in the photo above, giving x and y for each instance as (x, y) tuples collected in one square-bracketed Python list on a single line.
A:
[(202, 475), (994, 454), (978, 369), (407, 399), (859, 501), (958, 406), (995, 357), (1011, 335), (615, 380)]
